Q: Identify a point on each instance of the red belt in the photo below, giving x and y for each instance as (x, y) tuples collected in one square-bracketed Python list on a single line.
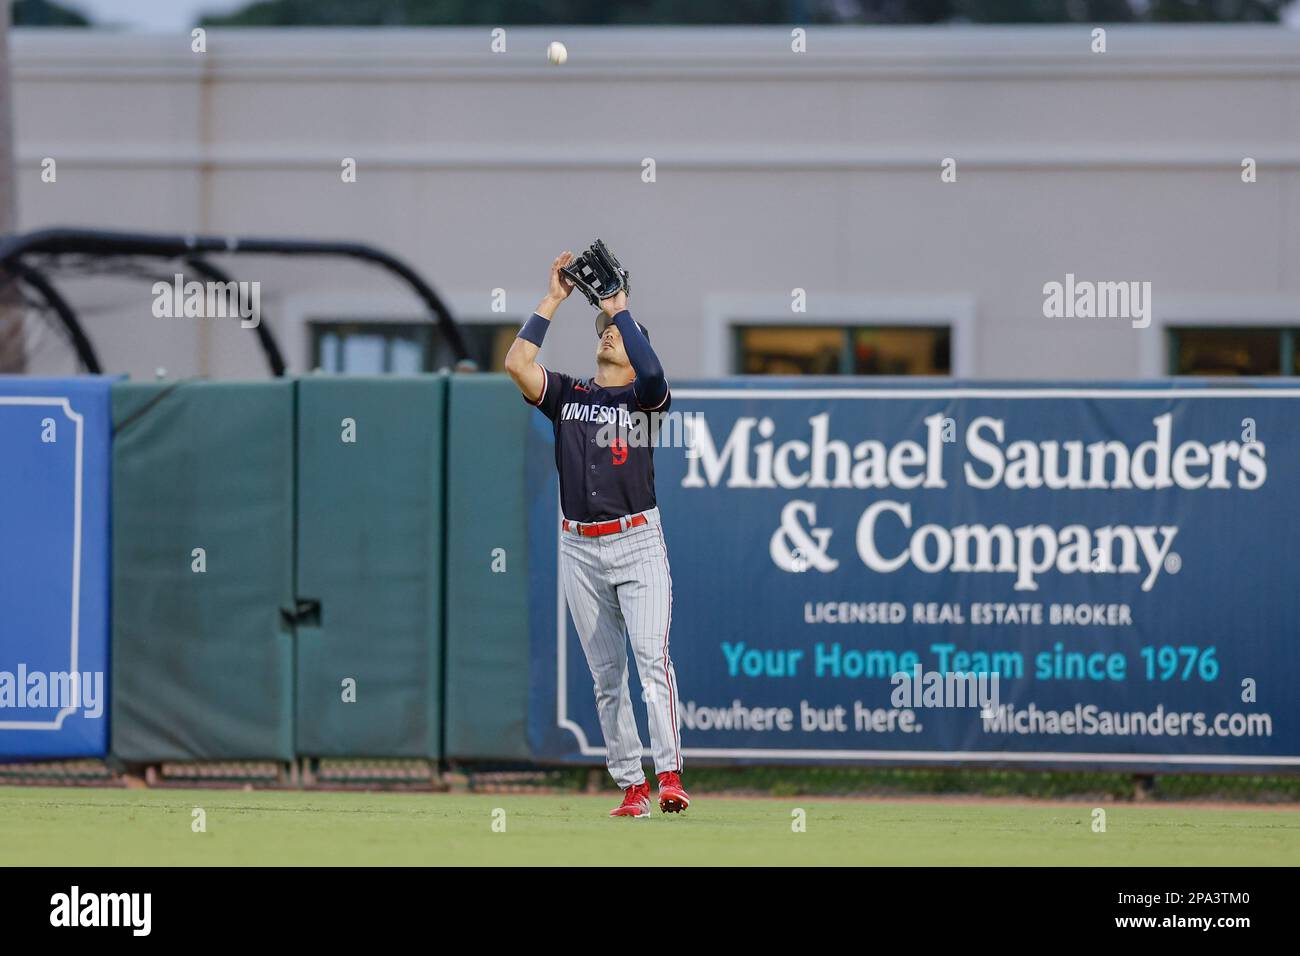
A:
[(604, 527)]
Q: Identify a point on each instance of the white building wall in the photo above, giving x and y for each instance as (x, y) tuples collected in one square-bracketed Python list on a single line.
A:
[(775, 170)]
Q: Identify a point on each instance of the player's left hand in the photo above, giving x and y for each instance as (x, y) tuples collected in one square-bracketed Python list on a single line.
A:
[(615, 304)]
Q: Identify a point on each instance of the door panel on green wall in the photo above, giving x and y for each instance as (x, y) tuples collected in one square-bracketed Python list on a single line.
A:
[(370, 513), (202, 562)]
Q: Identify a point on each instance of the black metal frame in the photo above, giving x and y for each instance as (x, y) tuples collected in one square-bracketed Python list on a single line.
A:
[(191, 249)]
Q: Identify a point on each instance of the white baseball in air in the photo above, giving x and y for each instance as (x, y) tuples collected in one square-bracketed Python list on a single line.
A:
[(556, 53)]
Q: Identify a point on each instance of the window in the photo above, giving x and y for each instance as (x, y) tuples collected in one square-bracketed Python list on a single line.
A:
[(1233, 350), (843, 350), (403, 348)]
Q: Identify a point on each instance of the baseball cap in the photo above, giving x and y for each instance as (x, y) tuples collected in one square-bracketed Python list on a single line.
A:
[(603, 321)]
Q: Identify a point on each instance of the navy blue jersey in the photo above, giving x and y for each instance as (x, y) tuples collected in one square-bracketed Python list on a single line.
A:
[(605, 472)]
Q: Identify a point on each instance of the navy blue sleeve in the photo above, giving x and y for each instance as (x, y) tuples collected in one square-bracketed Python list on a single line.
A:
[(650, 387)]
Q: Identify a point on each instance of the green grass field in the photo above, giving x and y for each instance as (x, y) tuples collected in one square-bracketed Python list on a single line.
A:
[(76, 826)]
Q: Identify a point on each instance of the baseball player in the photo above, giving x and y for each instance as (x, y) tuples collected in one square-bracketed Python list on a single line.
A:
[(612, 554)]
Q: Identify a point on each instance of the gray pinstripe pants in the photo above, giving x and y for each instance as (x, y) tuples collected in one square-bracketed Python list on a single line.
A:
[(618, 586)]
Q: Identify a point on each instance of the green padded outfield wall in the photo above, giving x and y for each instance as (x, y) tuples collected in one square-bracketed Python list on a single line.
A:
[(370, 525), (487, 611), (202, 666)]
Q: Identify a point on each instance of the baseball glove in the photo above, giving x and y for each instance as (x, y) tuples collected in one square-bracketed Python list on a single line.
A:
[(597, 274)]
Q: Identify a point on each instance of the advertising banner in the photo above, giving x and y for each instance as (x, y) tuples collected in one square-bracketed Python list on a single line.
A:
[(1040, 575), (54, 578)]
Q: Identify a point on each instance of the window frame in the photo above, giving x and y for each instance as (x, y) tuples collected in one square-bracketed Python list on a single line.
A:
[(725, 315), (389, 329), (847, 333), (1286, 346), (1155, 349), (298, 312)]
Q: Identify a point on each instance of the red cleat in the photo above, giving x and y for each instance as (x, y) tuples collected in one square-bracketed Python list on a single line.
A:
[(636, 802), (672, 798)]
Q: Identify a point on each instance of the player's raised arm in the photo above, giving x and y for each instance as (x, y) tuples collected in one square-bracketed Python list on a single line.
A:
[(651, 385), (521, 360)]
